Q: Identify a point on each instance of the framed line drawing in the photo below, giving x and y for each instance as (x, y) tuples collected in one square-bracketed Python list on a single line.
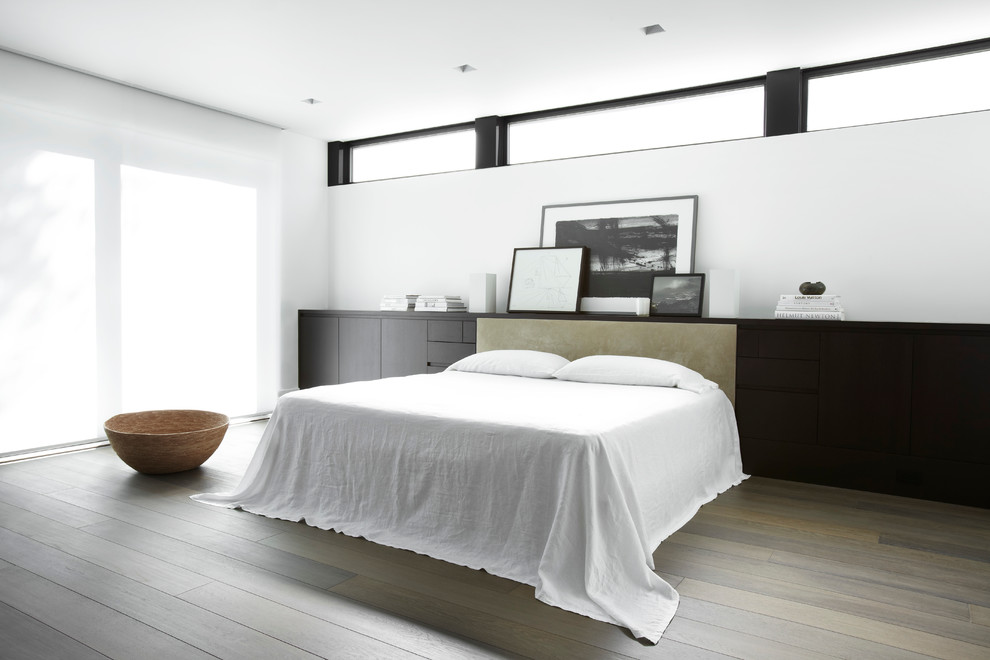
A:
[(547, 279), (628, 240), (677, 295)]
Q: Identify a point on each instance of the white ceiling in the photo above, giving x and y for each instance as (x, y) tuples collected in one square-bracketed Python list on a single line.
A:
[(384, 66)]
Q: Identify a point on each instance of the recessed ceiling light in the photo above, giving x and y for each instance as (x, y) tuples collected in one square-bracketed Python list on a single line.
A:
[(653, 29), (465, 68), (312, 101)]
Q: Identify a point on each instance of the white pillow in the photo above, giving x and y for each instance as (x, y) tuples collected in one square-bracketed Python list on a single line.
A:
[(627, 370), (530, 364)]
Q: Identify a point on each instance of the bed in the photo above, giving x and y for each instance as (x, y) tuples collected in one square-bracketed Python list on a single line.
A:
[(535, 459)]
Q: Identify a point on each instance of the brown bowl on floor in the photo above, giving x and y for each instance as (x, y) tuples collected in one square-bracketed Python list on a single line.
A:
[(164, 441)]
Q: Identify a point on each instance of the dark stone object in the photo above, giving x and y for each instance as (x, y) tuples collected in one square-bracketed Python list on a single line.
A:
[(811, 288)]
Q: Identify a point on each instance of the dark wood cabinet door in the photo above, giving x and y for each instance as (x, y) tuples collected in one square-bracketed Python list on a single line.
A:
[(782, 416), (403, 347), (865, 391), (791, 375), (360, 349), (951, 398), (318, 364)]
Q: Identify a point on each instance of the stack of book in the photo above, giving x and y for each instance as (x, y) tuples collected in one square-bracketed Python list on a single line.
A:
[(819, 308), (398, 303), (440, 304)]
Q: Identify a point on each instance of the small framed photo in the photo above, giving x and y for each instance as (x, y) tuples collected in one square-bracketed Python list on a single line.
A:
[(547, 279), (677, 295)]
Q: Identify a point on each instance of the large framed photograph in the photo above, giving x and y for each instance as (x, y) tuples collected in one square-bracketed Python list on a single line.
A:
[(547, 279), (629, 240), (677, 295)]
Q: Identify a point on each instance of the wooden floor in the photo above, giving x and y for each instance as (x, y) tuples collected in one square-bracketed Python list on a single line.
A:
[(98, 561)]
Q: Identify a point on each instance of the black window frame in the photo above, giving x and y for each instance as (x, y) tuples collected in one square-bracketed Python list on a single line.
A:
[(885, 61), (785, 107), (632, 101)]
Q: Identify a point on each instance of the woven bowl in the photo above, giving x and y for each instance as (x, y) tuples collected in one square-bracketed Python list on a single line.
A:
[(164, 441)]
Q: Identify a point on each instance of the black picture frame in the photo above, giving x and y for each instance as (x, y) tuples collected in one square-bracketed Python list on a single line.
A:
[(681, 294), (548, 280), (629, 240)]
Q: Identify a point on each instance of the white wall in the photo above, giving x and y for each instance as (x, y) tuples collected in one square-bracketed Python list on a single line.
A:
[(894, 217), (304, 239)]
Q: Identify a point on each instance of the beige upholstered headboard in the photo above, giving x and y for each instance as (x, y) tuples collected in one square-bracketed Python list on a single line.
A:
[(709, 349)]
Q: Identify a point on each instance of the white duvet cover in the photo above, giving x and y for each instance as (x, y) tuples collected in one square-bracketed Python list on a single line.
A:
[(565, 486)]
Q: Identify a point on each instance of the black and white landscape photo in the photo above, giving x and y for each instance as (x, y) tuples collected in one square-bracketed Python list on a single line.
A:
[(677, 295), (624, 252)]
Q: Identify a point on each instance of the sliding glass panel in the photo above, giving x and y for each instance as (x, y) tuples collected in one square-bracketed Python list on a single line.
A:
[(908, 91), (188, 293), (47, 299), (446, 152), (705, 118)]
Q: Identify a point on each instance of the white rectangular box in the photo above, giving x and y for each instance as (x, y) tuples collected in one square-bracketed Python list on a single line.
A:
[(481, 299), (723, 293), (637, 306)]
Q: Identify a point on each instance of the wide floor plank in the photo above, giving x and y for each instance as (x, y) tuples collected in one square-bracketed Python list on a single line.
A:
[(176, 618), (814, 575), (277, 588), (22, 636), (89, 623), (306, 631), (895, 636), (980, 615), (82, 545), (829, 642), (203, 536)]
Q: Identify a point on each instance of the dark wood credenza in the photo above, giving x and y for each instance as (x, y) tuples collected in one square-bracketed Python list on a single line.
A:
[(894, 408)]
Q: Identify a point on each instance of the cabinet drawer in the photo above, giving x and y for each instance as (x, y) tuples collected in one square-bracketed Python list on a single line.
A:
[(774, 374), (783, 416), (789, 344), (452, 331), (748, 342), (439, 353)]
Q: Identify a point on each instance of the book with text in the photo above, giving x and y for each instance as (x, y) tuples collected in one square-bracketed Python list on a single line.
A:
[(824, 299), (810, 315)]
